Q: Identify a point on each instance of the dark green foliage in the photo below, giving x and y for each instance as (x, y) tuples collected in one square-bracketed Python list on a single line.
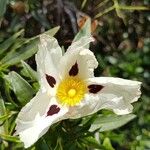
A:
[(122, 48)]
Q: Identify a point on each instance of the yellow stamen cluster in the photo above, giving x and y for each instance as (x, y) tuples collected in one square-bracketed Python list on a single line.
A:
[(71, 91)]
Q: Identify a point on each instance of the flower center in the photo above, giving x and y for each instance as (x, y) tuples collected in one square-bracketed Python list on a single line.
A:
[(71, 91)]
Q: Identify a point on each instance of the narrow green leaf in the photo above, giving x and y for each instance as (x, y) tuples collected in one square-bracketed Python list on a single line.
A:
[(23, 53), (105, 11), (105, 123), (10, 138), (91, 142), (42, 144), (7, 43), (3, 4), (28, 71), (107, 144), (133, 7), (83, 3), (58, 145), (50, 32), (27, 50), (4, 117), (6, 91), (2, 114), (2, 106), (101, 4), (118, 11), (21, 87)]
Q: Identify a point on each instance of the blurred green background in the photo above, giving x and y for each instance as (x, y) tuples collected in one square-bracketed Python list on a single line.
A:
[(121, 29)]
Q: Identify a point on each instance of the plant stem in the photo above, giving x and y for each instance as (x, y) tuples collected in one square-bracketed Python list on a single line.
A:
[(105, 12)]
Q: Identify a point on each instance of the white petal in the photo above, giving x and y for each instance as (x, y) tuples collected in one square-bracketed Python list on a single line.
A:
[(117, 95), (77, 53), (80, 44), (47, 59), (33, 122)]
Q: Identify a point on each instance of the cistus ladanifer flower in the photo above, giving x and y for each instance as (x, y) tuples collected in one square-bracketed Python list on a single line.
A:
[(68, 89)]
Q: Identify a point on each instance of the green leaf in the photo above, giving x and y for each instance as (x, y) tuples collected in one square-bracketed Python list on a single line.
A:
[(107, 10), (91, 142), (2, 106), (7, 43), (4, 117), (28, 49), (145, 143), (10, 138), (2, 114), (118, 11), (50, 32), (107, 144), (85, 31), (83, 3), (3, 4), (102, 4), (6, 93), (58, 145), (133, 7), (23, 53), (42, 144), (28, 71), (105, 123), (21, 87)]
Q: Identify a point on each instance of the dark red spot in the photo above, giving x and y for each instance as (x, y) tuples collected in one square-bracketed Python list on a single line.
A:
[(94, 88), (74, 70), (54, 109), (51, 80)]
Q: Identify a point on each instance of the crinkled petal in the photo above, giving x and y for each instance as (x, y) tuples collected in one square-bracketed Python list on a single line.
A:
[(47, 59), (77, 54), (80, 44), (37, 116), (117, 94)]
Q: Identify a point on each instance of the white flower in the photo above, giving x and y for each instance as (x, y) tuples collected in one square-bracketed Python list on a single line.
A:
[(70, 90)]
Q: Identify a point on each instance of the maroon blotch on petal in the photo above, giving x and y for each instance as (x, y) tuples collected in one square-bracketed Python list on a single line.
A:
[(51, 80), (74, 70), (94, 88), (54, 109)]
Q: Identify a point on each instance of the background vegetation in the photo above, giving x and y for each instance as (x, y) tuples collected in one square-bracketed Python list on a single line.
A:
[(122, 47)]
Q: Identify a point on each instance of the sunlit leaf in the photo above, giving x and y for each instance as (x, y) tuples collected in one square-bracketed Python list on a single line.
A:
[(28, 71), (4, 117), (2, 114), (91, 142), (21, 87), (7, 43), (107, 144), (25, 51), (10, 138), (105, 123)]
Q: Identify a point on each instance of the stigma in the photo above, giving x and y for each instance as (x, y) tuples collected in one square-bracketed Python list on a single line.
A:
[(71, 92)]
